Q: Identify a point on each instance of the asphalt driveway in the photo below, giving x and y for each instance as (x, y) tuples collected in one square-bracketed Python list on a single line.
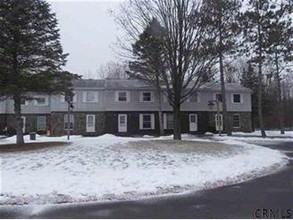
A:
[(266, 197)]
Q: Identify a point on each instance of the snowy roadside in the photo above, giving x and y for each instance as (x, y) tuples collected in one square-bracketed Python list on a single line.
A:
[(108, 168)]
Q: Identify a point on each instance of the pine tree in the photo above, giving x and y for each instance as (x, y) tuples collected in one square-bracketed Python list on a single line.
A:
[(222, 18), (31, 55), (149, 63), (257, 22), (280, 49)]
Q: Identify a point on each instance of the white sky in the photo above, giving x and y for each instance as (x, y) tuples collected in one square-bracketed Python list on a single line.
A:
[(88, 32)]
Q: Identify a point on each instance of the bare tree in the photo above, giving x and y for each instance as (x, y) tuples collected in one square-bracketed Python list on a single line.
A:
[(113, 70), (187, 45)]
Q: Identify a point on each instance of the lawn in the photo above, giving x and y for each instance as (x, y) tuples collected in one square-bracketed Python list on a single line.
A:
[(110, 168)]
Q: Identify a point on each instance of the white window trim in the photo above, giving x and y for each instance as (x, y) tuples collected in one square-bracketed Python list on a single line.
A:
[(165, 121), (38, 122), (215, 96), (73, 121), (117, 96), (141, 96), (62, 98), (85, 96), (141, 122), (25, 103), (198, 98), (241, 98), (46, 101), (239, 120)]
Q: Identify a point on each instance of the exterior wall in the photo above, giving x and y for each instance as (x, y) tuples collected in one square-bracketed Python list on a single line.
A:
[(57, 123), (133, 123), (30, 122), (245, 121), (204, 97), (2, 123), (79, 105)]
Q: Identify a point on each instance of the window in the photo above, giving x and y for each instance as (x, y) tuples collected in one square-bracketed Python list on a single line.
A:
[(146, 96), (194, 98), (71, 122), (168, 121), (219, 97), (147, 121), (41, 123), (236, 121), (41, 100), (62, 97), (90, 96), (122, 96), (23, 102), (236, 98)]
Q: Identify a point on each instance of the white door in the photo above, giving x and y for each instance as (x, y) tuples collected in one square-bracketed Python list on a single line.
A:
[(122, 123), (23, 124), (193, 125), (90, 123), (219, 122)]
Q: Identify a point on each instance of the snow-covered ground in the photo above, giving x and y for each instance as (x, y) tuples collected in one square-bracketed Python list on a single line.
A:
[(115, 168), (271, 133)]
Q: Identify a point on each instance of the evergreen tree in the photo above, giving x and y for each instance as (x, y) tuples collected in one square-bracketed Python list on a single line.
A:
[(257, 21), (222, 17), (31, 55), (280, 49), (149, 63)]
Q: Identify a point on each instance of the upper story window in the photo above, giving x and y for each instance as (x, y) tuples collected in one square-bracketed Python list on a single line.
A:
[(23, 102), (219, 97), (41, 100), (62, 97), (236, 98), (146, 96), (90, 96), (194, 98), (122, 96)]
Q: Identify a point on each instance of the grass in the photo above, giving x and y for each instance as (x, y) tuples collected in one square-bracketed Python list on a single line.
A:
[(182, 147), (9, 148)]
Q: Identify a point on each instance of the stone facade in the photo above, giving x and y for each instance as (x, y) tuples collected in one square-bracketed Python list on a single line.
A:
[(30, 123), (58, 129)]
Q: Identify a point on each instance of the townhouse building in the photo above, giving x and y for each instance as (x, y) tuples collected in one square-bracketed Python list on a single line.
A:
[(127, 107)]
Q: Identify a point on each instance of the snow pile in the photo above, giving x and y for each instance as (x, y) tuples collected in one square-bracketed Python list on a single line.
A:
[(105, 168)]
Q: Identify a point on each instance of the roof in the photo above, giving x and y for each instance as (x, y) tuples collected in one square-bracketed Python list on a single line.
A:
[(89, 83), (127, 84), (230, 87)]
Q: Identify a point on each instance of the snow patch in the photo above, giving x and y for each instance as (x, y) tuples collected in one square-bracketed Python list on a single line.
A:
[(104, 169)]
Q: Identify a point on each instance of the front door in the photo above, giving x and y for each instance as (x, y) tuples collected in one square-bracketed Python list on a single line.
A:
[(23, 123), (219, 122), (90, 123), (122, 123), (193, 125)]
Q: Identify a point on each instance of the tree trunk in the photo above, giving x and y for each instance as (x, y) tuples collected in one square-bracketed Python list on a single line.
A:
[(279, 95), (177, 122), (260, 115), (227, 127), (18, 120), (161, 123)]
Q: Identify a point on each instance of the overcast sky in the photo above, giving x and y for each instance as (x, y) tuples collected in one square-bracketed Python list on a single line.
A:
[(88, 32)]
